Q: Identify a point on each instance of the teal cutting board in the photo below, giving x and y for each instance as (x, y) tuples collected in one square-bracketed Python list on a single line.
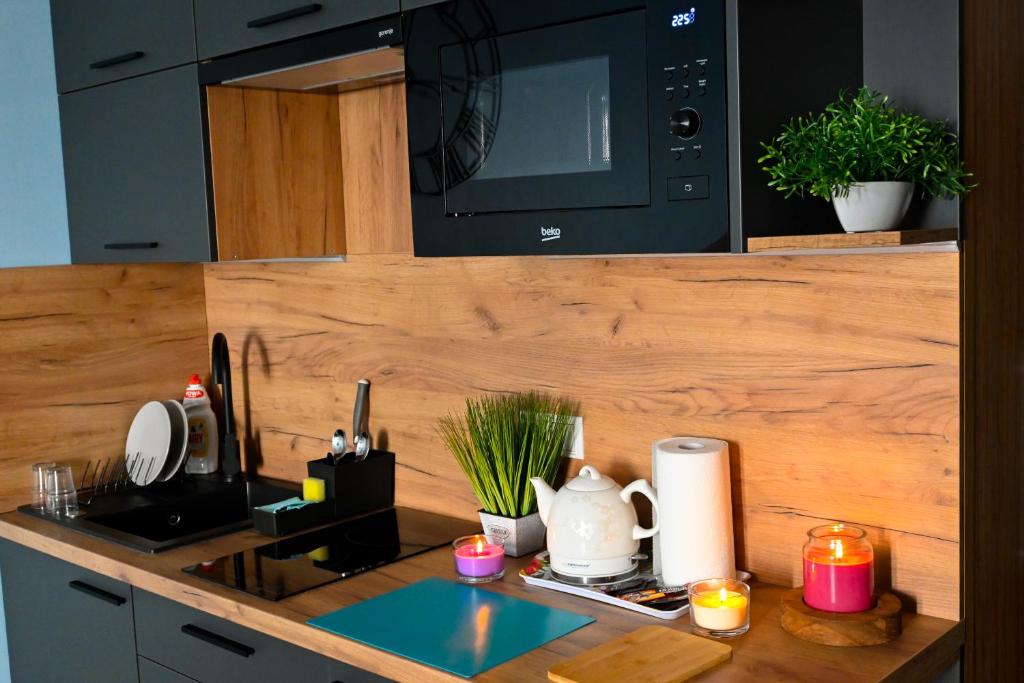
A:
[(451, 626)]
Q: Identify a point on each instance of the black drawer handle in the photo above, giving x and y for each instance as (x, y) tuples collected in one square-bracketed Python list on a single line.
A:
[(131, 245), (286, 15), (220, 641), (119, 59), (95, 592)]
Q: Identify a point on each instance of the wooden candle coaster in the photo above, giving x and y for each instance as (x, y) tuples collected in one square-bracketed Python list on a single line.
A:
[(873, 627)]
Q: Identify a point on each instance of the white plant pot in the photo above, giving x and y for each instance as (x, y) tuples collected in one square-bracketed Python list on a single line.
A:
[(521, 535), (879, 205)]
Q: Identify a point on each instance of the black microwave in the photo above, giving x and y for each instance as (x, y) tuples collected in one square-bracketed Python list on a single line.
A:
[(612, 126)]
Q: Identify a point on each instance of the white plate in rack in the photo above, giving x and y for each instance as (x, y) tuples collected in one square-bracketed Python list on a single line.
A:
[(179, 440), (148, 443)]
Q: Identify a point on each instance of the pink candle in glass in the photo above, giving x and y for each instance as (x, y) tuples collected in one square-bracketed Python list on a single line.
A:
[(479, 558), (839, 570)]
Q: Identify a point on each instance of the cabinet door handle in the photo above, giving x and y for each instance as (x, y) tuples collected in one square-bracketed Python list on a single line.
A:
[(131, 245), (286, 15), (95, 592), (220, 641), (119, 59)]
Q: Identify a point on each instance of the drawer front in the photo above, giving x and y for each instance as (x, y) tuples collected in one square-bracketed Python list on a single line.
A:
[(413, 4), (343, 673), (98, 41), (151, 672), (226, 26), (135, 170), (65, 623), (207, 648)]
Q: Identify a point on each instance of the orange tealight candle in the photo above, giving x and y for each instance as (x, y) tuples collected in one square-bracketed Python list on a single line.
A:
[(719, 607)]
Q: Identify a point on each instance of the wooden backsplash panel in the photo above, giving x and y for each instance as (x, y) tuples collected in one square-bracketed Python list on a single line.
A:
[(81, 349), (834, 378)]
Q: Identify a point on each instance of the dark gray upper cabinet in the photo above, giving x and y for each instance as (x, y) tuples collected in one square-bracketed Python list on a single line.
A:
[(65, 623), (135, 171), (226, 26), (99, 41)]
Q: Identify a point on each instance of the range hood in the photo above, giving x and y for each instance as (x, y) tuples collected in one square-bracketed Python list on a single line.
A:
[(348, 58)]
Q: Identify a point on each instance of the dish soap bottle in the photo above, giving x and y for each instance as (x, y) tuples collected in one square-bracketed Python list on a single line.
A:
[(202, 429)]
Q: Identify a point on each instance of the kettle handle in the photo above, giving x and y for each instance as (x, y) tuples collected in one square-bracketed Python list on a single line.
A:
[(641, 486)]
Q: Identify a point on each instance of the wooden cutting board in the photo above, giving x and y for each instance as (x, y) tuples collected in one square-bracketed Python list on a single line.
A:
[(653, 654)]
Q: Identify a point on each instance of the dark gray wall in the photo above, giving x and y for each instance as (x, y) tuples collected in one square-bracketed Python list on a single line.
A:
[(912, 53)]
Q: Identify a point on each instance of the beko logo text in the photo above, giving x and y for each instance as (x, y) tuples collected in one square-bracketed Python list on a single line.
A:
[(548, 234), (386, 32)]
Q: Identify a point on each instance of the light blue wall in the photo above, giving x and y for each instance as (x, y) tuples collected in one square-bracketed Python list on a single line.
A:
[(33, 209)]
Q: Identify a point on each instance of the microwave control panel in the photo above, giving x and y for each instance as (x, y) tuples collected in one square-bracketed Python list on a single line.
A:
[(686, 83)]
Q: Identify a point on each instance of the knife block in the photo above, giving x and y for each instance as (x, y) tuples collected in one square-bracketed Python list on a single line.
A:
[(353, 488)]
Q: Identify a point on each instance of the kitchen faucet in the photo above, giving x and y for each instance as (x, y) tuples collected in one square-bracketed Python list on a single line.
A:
[(220, 366)]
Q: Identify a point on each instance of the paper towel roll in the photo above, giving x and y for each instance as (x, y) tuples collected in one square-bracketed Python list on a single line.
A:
[(695, 541)]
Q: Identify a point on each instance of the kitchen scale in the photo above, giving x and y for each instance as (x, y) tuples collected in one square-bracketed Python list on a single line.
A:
[(316, 558)]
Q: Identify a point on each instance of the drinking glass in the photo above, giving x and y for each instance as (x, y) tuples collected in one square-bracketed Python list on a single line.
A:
[(39, 484), (61, 497)]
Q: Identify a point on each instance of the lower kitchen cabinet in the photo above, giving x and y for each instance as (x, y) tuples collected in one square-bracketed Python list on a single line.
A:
[(151, 672), (65, 623), (135, 170), (209, 649)]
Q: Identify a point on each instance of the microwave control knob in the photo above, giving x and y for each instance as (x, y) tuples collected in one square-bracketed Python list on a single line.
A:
[(684, 123)]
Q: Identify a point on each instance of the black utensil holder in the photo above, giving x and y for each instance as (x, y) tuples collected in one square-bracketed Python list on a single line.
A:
[(352, 487)]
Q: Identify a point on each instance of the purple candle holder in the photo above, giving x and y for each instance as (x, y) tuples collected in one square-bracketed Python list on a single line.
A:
[(479, 558)]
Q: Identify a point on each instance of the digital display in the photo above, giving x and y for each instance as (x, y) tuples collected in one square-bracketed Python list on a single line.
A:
[(684, 19)]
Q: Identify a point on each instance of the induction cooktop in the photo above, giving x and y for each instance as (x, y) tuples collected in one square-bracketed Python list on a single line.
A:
[(316, 558)]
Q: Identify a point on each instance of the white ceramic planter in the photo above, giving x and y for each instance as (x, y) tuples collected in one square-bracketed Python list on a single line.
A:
[(521, 535), (879, 205)]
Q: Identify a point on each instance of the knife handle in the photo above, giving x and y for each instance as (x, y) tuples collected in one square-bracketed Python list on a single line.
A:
[(361, 412)]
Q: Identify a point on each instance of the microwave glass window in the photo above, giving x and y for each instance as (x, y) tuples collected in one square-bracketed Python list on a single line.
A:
[(563, 110), (554, 117)]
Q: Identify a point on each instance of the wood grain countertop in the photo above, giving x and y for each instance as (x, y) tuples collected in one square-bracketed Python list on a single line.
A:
[(767, 653)]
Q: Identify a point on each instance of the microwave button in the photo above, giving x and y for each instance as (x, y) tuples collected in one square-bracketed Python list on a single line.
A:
[(670, 72), (688, 187), (684, 123), (702, 67), (684, 91), (669, 93), (684, 72), (677, 155)]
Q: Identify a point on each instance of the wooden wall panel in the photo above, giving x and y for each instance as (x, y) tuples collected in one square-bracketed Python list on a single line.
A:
[(277, 173), (374, 153), (81, 349), (834, 378)]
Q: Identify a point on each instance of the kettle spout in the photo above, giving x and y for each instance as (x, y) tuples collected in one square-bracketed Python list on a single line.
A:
[(545, 494)]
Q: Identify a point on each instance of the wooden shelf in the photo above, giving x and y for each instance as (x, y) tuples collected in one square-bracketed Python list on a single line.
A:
[(852, 240)]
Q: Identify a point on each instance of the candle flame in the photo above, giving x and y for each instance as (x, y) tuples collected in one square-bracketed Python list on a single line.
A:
[(479, 546), (836, 545), (723, 595)]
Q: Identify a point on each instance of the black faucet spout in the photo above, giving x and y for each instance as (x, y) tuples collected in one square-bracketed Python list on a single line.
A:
[(220, 367)]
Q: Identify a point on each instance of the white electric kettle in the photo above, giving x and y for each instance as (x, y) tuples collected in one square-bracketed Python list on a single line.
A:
[(593, 533)]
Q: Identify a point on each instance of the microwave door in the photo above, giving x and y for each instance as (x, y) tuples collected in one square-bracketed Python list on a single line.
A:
[(552, 118)]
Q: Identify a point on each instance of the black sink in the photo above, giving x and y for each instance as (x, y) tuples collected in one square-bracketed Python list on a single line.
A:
[(164, 516)]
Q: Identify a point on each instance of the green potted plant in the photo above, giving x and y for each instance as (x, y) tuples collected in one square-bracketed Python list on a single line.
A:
[(501, 443), (865, 156)]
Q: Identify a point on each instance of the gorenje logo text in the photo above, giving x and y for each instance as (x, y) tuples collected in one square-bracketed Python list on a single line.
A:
[(548, 234), (386, 32)]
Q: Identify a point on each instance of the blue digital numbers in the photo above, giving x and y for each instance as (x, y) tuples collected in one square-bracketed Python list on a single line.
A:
[(684, 19)]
